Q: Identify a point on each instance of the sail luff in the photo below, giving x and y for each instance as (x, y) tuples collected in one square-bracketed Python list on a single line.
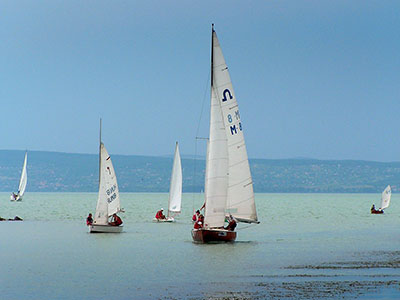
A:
[(175, 189), (240, 194)]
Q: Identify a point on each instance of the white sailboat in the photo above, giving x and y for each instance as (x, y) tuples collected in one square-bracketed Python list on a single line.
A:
[(385, 201), (175, 189), (108, 201), (228, 183), (22, 182)]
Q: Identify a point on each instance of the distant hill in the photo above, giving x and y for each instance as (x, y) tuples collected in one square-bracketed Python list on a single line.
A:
[(67, 172)]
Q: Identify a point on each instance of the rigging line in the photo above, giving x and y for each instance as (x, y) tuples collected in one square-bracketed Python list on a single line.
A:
[(197, 133), (248, 226)]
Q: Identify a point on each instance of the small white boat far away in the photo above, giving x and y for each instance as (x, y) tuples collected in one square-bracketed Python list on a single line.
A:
[(22, 182), (385, 201), (175, 189)]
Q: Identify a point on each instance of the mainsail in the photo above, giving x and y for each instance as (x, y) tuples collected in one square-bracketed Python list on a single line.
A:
[(108, 201), (229, 186), (216, 185), (175, 189), (24, 178), (385, 199)]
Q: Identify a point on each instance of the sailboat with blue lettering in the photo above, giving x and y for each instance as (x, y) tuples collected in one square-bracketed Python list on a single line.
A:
[(228, 183), (108, 202)]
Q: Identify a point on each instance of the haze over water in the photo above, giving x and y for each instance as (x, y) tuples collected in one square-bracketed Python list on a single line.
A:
[(307, 246)]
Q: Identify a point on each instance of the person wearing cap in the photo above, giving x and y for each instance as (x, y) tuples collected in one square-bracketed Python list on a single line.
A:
[(196, 216), (160, 215), (116, 221)]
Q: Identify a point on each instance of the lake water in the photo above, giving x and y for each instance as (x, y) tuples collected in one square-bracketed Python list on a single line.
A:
[(308, 246)]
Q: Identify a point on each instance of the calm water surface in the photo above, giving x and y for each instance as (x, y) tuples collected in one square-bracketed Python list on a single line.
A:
[(307, 246)]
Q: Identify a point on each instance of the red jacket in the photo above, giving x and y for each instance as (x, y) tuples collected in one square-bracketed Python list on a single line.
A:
[(117, 220), (159, 215), (198, 224)]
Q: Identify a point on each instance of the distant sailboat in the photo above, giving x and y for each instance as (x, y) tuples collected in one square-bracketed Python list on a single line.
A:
[(22, 182), (385, 201), (175, 189), (228, 183), (108, 202)]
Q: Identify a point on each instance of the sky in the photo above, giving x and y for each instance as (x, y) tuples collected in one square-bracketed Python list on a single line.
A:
[(315, 79)]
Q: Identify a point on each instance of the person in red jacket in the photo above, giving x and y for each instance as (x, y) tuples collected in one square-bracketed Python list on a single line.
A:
[(89, 220), (196, 216), (116, 221), (160, 215), (199, 223)]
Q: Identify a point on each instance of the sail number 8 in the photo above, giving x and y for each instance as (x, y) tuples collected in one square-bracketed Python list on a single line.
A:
[(234, 128)]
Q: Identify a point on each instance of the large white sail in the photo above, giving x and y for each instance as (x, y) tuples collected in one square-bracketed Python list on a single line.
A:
[(240, 194), (108, 201), (216, 185), (175, 189), (385, 199), (24, 178)]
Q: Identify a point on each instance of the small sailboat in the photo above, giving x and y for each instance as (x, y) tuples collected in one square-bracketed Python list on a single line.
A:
[(108, 202), (175, 189), (22, 182), (228, 184), (385, 201)]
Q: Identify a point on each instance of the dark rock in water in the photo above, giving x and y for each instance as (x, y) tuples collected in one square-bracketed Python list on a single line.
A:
[(16, 218)]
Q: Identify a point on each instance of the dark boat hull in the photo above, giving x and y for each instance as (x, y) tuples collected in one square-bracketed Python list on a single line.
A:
[(376, 211), (213, 235)]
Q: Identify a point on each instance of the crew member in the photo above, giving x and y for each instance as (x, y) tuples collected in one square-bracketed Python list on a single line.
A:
[(89, 220), (232, 223), (116, 221), (160, 215)]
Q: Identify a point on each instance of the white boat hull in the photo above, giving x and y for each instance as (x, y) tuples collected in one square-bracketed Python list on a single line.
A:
[(105, 229), (166, 220), (15, 199)]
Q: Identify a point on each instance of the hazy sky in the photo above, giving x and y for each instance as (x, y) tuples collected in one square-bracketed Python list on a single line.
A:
[(317, 79)]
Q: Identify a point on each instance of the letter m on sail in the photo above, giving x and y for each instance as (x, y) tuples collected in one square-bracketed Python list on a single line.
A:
[(233, 129)]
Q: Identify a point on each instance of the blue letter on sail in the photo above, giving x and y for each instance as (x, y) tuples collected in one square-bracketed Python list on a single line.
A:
[(224, 94)]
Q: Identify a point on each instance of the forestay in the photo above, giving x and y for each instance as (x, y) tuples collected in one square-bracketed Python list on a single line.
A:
[(240, 196), (175, 189), (108, 201), (385, 199)]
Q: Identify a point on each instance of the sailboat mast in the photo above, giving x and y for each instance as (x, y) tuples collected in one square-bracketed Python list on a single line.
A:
[(100, 152), (212, 54)]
